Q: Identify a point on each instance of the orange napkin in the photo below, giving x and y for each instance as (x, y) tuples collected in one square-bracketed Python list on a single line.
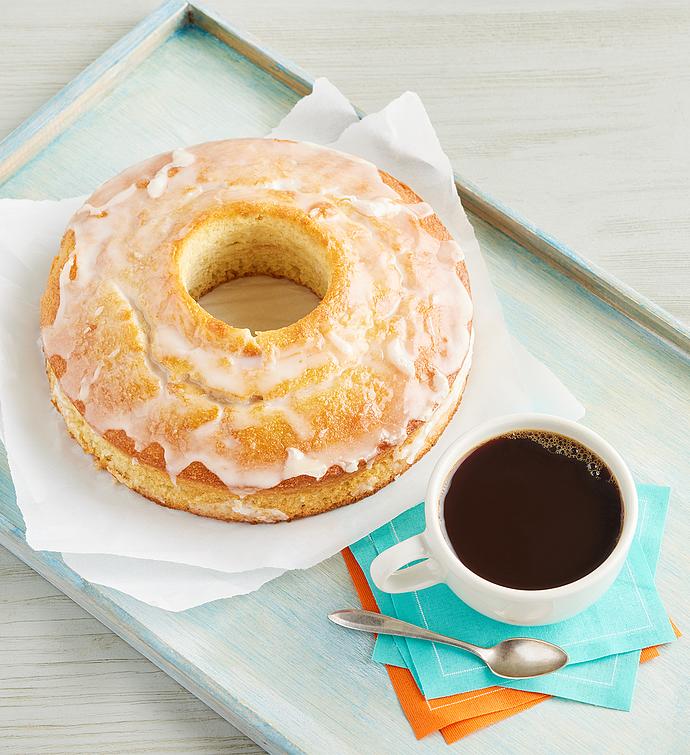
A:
[(455, 716)]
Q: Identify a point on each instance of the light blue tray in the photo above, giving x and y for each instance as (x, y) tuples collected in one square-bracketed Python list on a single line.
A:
[(269, 662)]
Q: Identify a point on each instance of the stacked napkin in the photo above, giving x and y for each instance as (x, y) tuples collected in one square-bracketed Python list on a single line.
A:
[(443, 689)]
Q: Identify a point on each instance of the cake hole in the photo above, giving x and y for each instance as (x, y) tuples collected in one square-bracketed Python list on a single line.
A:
[(258, 271), (259, 302)]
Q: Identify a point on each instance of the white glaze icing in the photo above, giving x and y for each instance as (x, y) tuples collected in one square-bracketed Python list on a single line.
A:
[(157, 185), (120, 197), (399, 357), (411, 450), (403, 326)]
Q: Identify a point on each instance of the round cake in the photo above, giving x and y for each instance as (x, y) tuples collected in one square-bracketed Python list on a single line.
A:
[(198, 415)]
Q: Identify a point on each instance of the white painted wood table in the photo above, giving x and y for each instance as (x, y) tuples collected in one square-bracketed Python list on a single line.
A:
[(576, 116)]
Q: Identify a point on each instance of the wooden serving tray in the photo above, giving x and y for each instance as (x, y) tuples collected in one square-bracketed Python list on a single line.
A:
[(270, 662)]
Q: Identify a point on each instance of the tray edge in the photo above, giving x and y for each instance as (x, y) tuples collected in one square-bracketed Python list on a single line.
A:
[(24, 142)]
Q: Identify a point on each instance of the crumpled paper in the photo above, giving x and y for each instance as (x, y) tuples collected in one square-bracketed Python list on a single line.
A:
[(175, 560)]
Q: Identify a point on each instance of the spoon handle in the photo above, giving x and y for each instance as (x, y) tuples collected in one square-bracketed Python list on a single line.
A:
[(369, 621)]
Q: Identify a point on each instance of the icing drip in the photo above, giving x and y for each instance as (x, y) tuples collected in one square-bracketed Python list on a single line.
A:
[(399, 357), (120, 197), (157, 185)]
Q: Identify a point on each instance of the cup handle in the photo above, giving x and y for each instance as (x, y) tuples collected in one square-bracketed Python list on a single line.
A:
[(389, 576)]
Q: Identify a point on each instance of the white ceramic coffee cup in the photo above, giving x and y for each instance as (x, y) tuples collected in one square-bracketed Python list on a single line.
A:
[(441, 564)]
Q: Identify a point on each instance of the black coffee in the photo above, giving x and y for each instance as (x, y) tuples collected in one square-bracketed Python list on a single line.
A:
[(533, 510)]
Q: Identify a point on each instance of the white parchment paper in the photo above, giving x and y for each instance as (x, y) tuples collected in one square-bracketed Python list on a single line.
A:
[(175, 560)]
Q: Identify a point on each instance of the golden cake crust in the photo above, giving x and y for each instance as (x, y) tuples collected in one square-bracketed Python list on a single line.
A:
[(321, 431)]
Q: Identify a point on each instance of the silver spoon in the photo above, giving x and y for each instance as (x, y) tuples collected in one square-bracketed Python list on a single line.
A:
[(516, 658)]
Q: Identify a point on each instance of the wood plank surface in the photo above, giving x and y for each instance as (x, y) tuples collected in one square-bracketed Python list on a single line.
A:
[(68, 684), (576, 116)]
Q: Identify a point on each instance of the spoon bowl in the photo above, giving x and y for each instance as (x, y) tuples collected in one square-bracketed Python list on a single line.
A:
[(524, 657), (515, 658)]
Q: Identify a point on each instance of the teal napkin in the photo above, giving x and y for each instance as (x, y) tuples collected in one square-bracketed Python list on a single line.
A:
[(603, 642), (609, 681)]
